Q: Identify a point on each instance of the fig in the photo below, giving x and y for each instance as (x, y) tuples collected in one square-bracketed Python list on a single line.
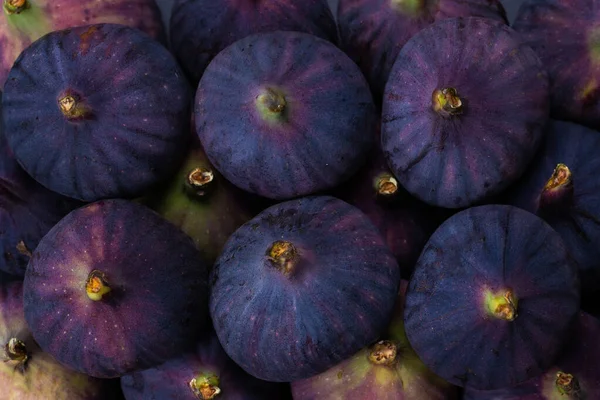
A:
[(114, 288), (492, 297), (284, 114), (200, 29), (24, 21), (202, 203), (372, 32), (560, 186), (302, 286), (208, 373), (463, 112), (97, 111), (566, 37), (574, 376), (386, 370), (27, 372), (27, 211)]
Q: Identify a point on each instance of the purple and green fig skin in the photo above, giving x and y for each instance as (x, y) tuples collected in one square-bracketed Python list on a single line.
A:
[(98, 111), (24, 21), (574, 376), (492, 298), (202, 203), (200, 29), (463, 112), (206, 374), (284, 114), (386, 370), (114, 288), (561, 186), (27, 212), (565, 34), (372, 32), (301, 287), (28, 373)]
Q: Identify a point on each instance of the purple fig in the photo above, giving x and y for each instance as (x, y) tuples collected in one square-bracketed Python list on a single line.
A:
[(453, 133), (114, 288), (492, 297)]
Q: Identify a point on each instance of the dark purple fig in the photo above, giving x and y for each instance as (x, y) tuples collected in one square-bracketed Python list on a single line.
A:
[(97, 111), (208, 373), (491, 298), (28, 373), (372, 32), (114, 288), (561, 186), (574, 376), (566, 37), (200, 29), (27, 212), (24, 21), (463, 112), (302, 286), (284, 114), (202, 203), (386, 370), (405, 222)]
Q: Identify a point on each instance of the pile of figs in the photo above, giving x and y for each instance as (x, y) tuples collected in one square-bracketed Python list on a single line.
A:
[(395, 199)]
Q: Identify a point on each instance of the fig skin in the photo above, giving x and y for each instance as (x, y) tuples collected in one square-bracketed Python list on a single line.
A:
[(492, 298), (27, 211), (576, 217), (460, 157), (359, 379), (284, 115), (19, 30), (171, 380), (291, 316), (157, 303), (208, 214), (565, 36), (372, 32), (200, 29), (580, 357), (42, 377), (92, 130)]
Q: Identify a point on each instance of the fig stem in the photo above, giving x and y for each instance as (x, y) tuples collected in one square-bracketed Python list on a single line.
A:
[(383, 352), (567, 384), (502, 305), (557, 194), (386, 185), (272, 104), (284, 256), (15, 6), (96, 286), (447, 102), (205, 386), (200, 180), (16, 351), (73, 107)]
